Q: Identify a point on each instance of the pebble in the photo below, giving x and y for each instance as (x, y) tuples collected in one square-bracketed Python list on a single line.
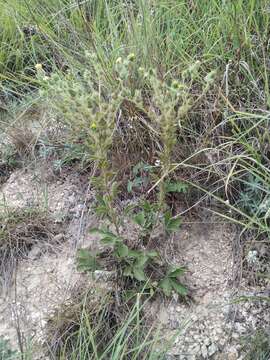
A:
[(212, 349)]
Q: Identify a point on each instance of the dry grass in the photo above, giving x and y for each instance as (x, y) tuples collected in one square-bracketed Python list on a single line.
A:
[(20, 230)]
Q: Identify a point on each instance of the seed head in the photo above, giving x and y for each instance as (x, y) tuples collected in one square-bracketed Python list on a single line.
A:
[(38, 67), (131, 57), (93, 126)]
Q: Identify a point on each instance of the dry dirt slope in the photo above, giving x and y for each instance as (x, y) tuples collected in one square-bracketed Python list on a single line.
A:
[(44, 279)]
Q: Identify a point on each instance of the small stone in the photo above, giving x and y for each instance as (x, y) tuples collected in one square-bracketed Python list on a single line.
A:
[(212, 349)]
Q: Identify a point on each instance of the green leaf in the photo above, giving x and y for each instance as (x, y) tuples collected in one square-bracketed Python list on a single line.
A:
[(111, 240), (175, 272), (138, 167), (147, 206), (129, 186), (139, 274), (101, 232), (128, 209), (96, 231), (171, 224), (134, 253), (179, 288), (166, 286), (178, 186), (86, 261), (140, 218), (114, 189), (108, 238), (152, 253), (141, 261), (121, 250)]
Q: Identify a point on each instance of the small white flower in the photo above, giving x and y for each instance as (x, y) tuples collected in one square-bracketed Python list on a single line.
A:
[(157, 162)]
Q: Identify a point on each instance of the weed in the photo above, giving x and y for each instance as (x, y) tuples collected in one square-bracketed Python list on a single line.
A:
[(88, 109), (255, 199), (190, 102)]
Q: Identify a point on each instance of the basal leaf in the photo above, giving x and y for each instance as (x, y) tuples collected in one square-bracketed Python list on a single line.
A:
[(138, 273), (166, 286), (121, 250), (134, 253), (175, 272), (111, 240), (129, 186), (141, 261), (140, 218), (86, 261), (172, 224), (179, 288), (179, 186), (96, 231), (152, 253)]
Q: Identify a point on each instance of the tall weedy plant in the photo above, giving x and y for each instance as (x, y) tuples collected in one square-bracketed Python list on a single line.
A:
[(91, 114)]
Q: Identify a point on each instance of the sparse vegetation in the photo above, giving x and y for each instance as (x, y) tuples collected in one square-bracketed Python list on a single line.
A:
[(97, 327), (160, 102), (20, 230), (6, 352), (257, 346)]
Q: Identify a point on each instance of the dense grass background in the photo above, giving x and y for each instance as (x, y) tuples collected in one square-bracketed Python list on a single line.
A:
[(231, 39), (168, 35)]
